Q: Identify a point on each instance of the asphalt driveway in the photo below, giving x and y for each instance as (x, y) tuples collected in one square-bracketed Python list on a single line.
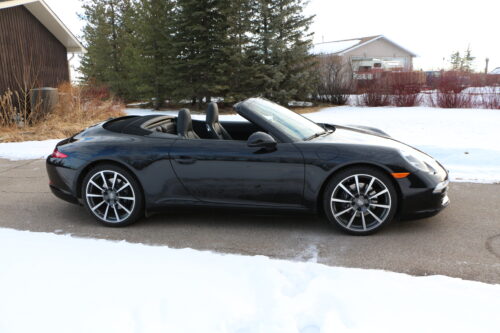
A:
[(463, 241)]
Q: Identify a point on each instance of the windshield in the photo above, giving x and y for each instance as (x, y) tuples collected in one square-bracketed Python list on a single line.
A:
[(287, 121)]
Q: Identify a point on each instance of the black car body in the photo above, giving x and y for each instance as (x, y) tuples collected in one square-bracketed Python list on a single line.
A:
[(263, 165)]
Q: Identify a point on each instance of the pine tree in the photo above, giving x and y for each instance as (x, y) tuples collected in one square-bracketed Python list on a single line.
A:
[(107, 37), (462, 63), (200, 42), (154, 55), (284, 43), (198, 49), (468, 60), (242, 61), (456, 61)]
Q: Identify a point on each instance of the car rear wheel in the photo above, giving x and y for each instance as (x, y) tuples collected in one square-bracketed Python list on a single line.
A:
[(112, 196), (360, 200)]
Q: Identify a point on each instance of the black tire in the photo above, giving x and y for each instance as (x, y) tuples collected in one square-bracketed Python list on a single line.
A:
[(118, 203), (357, 212)]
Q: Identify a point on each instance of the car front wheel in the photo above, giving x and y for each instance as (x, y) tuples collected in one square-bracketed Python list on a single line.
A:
[(112, 196), (360, 200)]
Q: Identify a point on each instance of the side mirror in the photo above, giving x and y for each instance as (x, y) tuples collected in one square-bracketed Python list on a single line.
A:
[(262, 140)]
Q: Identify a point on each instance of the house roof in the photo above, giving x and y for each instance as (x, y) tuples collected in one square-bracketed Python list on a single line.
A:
[(339, 47), (495, 71), (41, 11)]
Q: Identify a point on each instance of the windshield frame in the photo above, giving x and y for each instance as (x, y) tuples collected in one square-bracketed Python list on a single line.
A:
[(286, 125)]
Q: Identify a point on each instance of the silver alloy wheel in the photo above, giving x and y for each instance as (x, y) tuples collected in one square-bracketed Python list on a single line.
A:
[(360, 202), (110, 196)]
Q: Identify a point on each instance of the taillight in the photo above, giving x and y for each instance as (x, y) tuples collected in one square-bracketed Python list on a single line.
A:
[(58, 154)]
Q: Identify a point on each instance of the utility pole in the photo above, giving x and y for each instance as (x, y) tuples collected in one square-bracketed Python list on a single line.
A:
[(486, 68)]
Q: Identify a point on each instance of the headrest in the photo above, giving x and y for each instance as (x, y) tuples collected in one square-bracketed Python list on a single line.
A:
[(212, 113), (184, 123)]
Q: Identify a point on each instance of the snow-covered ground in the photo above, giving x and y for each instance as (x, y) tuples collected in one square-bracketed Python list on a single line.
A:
[(55, 283), (27, 150), (466, 141)]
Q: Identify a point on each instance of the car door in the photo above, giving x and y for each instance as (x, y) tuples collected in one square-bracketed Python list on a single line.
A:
[(227, 171)]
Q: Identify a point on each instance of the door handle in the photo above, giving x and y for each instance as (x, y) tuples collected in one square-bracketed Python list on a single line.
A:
[(185, 160)]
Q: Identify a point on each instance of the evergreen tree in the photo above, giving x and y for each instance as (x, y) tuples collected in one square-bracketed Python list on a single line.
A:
[(468, 60), (107, 37), (462, 63), (198, 49), (456, 60), (200, 43), (154, 55), (284, 43), (241, 70)]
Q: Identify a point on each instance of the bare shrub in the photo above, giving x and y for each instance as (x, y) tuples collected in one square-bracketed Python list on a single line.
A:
[(405, 88), (491, 97), (375, 98), (405, 98), (376, 93), (451, 100), (449, 91), (334, 80)]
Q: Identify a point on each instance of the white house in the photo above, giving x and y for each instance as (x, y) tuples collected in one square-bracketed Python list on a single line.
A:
[(368, 54)]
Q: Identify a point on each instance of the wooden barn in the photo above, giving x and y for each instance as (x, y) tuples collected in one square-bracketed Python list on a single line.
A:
[(34, 46)]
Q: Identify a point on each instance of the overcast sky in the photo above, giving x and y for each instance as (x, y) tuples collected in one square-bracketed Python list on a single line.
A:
[(432, 29)]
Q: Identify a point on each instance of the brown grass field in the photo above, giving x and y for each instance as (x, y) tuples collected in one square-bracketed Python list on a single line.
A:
[(73, 114)]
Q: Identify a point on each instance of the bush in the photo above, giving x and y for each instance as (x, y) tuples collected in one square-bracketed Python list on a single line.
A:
[(449, 100), (375, 93), (333, 81), (491, 97), (405, 88), (449, 91), (374, 98), (406, 98)]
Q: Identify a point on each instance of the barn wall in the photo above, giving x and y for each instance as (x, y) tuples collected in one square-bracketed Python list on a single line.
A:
[(30, 55)]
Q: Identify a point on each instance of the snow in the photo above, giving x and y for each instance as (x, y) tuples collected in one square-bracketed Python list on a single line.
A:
[(56, 283), (334, 47), (496, 71), (481, 90), (465, 141), (27, 150)]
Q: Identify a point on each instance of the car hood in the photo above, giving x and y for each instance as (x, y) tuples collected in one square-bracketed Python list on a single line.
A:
[(356, 136), (351, 135)]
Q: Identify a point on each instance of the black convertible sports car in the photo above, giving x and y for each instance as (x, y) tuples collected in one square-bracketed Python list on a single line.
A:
[(358, 176)]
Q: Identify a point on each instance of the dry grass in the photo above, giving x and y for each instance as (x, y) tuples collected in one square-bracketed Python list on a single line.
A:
[(73, 114)]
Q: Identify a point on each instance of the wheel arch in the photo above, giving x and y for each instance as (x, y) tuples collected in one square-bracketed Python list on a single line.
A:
[(382, 168), (93, 164)]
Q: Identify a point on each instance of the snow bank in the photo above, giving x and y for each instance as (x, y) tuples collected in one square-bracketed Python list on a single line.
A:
[(27, 150), (56, 283)]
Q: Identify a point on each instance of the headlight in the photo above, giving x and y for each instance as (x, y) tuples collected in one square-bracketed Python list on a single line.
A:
[(416, 161)]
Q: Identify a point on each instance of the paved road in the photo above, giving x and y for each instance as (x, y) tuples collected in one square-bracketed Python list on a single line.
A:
[(463, 241)]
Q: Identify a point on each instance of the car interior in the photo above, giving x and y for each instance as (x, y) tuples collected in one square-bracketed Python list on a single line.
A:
[(185, 127)]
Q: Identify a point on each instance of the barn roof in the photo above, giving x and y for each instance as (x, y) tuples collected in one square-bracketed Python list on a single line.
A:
[(43, 13), (339, 47)]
